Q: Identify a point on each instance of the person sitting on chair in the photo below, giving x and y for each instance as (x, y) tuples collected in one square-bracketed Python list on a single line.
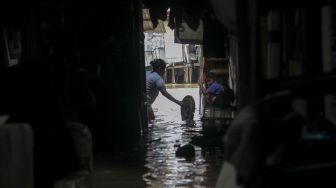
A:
[(213, 90)]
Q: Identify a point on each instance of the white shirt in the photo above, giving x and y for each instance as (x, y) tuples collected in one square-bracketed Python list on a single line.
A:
[(154, 82)]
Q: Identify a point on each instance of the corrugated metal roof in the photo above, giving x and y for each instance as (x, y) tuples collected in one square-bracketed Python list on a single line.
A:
[(148, 25)]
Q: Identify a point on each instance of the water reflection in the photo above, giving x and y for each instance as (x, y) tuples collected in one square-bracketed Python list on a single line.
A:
[(166, 135)]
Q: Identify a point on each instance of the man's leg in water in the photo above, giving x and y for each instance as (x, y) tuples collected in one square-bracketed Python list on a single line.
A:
[(150, 113)]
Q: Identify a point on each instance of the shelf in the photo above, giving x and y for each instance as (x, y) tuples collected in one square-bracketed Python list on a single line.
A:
[(280, 5), (215, 59), (304, 86)]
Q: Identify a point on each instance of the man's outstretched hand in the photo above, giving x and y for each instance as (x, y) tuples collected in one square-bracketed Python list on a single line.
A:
[(179, 103)]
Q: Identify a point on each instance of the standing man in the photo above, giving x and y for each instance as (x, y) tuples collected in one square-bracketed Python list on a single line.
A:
[(156, 83)]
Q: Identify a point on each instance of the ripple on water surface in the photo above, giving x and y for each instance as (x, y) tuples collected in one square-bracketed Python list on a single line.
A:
[(166, 135)]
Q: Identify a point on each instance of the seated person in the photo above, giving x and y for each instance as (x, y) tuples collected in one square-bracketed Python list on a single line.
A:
[(226, 99), (213, 90)]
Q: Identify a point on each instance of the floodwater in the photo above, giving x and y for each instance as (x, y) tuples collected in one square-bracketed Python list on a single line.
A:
[(167, 134), (156, 165)]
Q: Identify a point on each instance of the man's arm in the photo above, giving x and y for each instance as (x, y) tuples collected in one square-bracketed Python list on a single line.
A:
[(210, 97), (169, 96), (203, 90)]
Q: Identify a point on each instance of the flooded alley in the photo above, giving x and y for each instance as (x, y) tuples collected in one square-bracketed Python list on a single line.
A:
[(97, 94), (198, 166), (166, 135)]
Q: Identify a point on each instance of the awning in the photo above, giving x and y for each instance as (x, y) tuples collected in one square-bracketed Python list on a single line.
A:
[(148, 25)]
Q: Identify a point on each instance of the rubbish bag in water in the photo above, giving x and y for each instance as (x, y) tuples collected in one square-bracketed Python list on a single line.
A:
[(188, 108)]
